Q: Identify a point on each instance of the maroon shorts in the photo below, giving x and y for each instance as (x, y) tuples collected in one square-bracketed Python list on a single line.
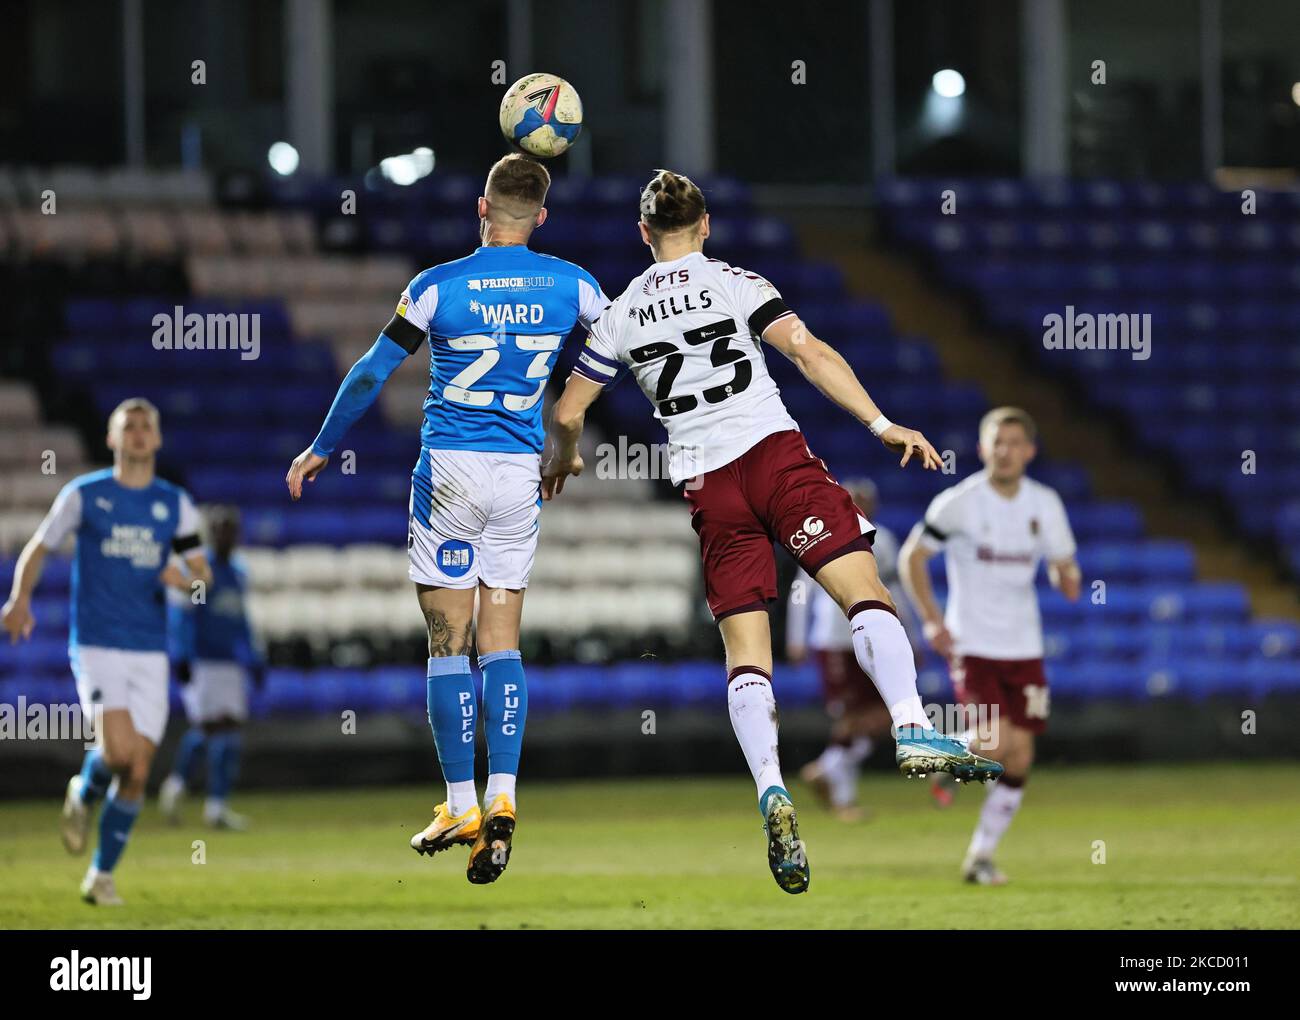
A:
[(776, 491), (846, 688), (1017, 686)]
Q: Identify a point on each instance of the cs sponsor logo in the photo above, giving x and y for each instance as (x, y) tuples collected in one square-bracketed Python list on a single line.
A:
[(814, 529)]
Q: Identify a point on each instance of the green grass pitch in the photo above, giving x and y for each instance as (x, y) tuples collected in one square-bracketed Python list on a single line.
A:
[(1196, 846)]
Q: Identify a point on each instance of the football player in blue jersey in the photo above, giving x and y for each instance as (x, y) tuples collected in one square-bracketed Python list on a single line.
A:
[(215, 653), (495, 321), (127, 522)]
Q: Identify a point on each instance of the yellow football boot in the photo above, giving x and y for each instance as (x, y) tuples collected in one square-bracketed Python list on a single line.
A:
[(446, 831), (491, 851)]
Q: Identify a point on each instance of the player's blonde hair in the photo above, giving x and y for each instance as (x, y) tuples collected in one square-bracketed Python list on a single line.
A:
[(135, 404), (671, 202), (1002, 415), (518, 184)]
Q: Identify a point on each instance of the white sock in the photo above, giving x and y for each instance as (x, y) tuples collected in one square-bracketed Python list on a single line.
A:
[(883, 652), (1000, 806), (753, 716), (844, 783), (829, 760), (461, 797), (860, 750), (499, 783), (213, 807)]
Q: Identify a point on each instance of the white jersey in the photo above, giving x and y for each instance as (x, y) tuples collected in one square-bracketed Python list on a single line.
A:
[(993, 546), (690, 330), (814, 620)]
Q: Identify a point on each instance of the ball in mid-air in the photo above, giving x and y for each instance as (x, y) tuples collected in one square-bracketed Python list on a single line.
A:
[(541, 114)]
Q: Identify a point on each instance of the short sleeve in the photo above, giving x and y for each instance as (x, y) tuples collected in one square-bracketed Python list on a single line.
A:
[(599, 360), (943, 519), (186, 541), (416, 309), (757, 300), (63, 519), (1058, 538), (592, 301)]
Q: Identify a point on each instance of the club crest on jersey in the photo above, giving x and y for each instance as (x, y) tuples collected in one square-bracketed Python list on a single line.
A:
[(160, 511), (454, 557)]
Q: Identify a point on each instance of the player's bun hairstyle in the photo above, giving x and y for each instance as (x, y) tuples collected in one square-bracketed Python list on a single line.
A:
[(518, 182), (1002, 415), (671, 202)]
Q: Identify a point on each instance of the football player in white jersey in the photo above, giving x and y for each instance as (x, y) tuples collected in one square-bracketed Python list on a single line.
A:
[(814, 625), (994, 528), (690, 328)]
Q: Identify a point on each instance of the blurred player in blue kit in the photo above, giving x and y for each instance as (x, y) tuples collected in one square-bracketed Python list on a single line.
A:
[(495, 321), (216, 655)]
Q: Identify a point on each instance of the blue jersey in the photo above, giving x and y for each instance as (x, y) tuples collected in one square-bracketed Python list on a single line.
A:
[(215, 630), (495, 320), (124, 537)]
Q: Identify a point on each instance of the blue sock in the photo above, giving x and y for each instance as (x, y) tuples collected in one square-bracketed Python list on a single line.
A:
[(95, 777), (114, 830), (223, 762), (505, 707), (453, 715), (187, 755)]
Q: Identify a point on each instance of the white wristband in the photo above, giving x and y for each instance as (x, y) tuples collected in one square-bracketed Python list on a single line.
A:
[(879, 425)]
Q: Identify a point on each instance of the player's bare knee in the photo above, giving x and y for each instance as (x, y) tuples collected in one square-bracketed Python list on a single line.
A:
[(119, 751), (117, 757)]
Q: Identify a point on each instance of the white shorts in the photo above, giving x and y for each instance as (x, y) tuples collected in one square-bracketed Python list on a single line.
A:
[(217, 690), (474, 518), (113, 678)]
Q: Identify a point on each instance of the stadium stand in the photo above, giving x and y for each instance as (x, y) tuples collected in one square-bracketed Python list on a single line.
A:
[(617, 572)]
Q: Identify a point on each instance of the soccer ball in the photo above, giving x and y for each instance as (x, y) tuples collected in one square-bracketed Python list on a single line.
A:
[(541, 114)]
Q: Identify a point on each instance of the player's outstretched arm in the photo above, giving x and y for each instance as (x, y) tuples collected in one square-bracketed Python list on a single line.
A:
[(566, 429), (825, 368), (17, 612), (358, 391)]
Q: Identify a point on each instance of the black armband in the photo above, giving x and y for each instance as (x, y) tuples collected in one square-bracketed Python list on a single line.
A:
[(406, 335), (184, 545), (767, 314)]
